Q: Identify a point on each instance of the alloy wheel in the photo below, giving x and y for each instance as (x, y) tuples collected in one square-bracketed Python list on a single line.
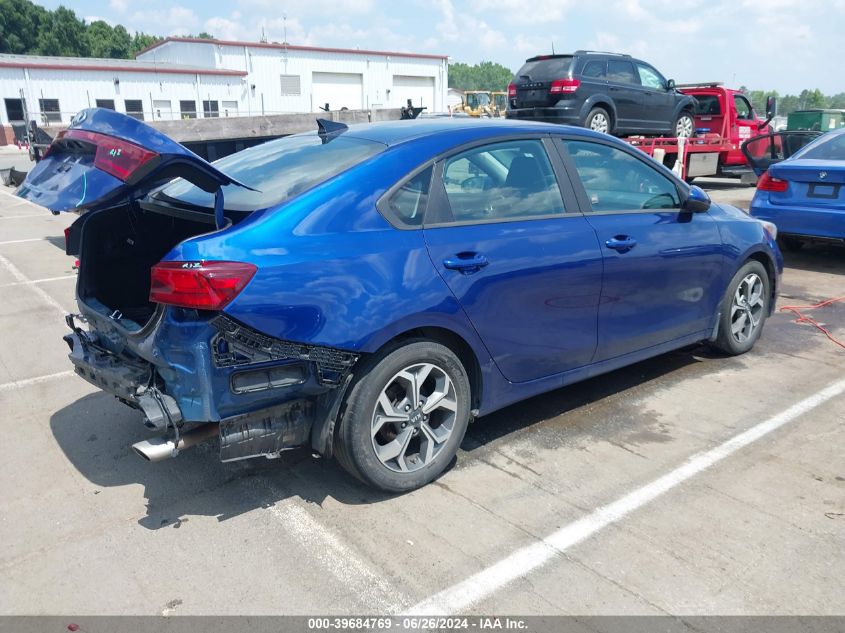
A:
[(599, 123), (414, 417), (747, 307), (683, 129)]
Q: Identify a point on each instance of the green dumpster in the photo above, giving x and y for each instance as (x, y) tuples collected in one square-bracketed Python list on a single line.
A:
[(818, 119)]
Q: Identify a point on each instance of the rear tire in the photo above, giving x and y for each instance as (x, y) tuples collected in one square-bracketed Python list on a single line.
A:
[(743, 310), (405, 417), (684, 126), (598, 120)]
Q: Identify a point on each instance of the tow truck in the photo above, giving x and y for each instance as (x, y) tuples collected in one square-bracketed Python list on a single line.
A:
[(724, 120)]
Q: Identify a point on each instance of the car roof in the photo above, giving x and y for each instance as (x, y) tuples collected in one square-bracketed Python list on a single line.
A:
[(397, 132)]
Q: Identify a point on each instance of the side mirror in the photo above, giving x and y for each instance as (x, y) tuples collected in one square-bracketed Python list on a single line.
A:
[(670, 85), (697, 201), (771, 108)]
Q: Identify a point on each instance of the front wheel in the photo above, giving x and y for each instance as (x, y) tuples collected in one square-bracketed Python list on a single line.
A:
[(405, 417), (744, 309), (684, 126), (598, 120)]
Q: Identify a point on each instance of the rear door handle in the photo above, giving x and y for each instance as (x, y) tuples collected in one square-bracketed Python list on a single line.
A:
[(621, 243), (466, 263)]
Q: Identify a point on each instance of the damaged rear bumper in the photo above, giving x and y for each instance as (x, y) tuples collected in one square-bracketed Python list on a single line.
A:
[(271, 395)]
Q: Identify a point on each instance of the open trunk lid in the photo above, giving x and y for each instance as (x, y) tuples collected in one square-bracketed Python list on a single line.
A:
[(105, 156)]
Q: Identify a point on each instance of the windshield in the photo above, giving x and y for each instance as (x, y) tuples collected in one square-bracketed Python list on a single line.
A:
[(278, 170), (478, 99), (830, 146)]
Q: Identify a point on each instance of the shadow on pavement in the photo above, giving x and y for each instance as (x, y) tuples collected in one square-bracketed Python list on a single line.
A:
[(96, 433)]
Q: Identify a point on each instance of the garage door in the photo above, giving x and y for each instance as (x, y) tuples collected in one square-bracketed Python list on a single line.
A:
[(420, 90), (339, 90)]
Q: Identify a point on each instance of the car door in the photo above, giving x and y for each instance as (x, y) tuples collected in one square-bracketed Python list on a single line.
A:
[(623, 85), (524, 265), (745, 121), (658, 100), (662, 265)]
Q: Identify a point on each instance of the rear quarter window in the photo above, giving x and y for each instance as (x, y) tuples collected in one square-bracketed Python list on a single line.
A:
[(278, 170)]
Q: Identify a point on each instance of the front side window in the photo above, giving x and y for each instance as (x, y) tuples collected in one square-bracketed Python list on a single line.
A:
[(278, 170), (650, 78), (743, 108), (617, 181), (621, 73), (501, 181)]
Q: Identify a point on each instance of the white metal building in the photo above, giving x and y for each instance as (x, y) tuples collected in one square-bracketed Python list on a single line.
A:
[(287, 78), (186, 78)]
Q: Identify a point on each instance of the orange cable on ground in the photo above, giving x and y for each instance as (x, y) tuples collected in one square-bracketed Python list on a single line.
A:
[(803, 318)]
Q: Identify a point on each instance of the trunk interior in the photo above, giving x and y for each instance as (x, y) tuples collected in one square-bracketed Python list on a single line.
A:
[(119, 247)]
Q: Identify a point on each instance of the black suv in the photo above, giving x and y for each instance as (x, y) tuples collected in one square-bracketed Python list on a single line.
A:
[(606, 92)]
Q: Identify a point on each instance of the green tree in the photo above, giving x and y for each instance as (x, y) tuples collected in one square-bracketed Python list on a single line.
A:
[(20, 23), (140, 41), (205, 36), (105, 41), (483, 76), (62, 34)]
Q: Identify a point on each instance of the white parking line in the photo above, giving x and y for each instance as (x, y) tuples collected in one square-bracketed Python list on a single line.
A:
[(374, 592), (18, 217), (29, 239), (17, 384), (25, 281), (523, 561), (37, 281)]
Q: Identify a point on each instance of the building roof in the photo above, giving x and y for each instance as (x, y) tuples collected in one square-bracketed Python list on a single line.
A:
[(290, 47), (112, 65)]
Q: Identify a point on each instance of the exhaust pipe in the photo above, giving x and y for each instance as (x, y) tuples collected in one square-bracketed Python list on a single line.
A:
[(160, 448)]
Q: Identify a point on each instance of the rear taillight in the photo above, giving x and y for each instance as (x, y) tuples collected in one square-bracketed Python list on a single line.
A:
[(511, 90), (768, 183), (200, 285), (114, 156), (564, 85)]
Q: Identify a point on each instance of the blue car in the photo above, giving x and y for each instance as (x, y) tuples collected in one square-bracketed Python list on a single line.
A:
[(801, 190), (367, 291)]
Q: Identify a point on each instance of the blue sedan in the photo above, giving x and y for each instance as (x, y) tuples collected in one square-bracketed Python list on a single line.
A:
[(804, 194), (367, 291)]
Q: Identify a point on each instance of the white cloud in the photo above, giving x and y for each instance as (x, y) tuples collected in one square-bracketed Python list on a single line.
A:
[(121, 6)]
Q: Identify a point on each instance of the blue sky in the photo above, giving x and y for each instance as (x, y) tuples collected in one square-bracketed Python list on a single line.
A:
[(786, 45)]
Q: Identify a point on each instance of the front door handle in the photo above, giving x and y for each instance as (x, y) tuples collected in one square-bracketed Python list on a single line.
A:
[(466, 263), (621, 243)]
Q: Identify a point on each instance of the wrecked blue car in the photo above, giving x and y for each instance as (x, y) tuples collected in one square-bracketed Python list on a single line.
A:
[(366, 291)]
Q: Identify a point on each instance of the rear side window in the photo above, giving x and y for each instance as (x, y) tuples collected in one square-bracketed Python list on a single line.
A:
[(595, 70), (545, 69), (406, 206), (502, 181), (279, 170), (621, 72), (616, 181)]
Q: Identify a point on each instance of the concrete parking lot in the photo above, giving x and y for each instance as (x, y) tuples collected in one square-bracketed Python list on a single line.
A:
[(582, 501)]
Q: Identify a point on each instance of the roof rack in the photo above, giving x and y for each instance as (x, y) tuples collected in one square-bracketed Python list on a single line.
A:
[(582, 51), (701, 84)]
